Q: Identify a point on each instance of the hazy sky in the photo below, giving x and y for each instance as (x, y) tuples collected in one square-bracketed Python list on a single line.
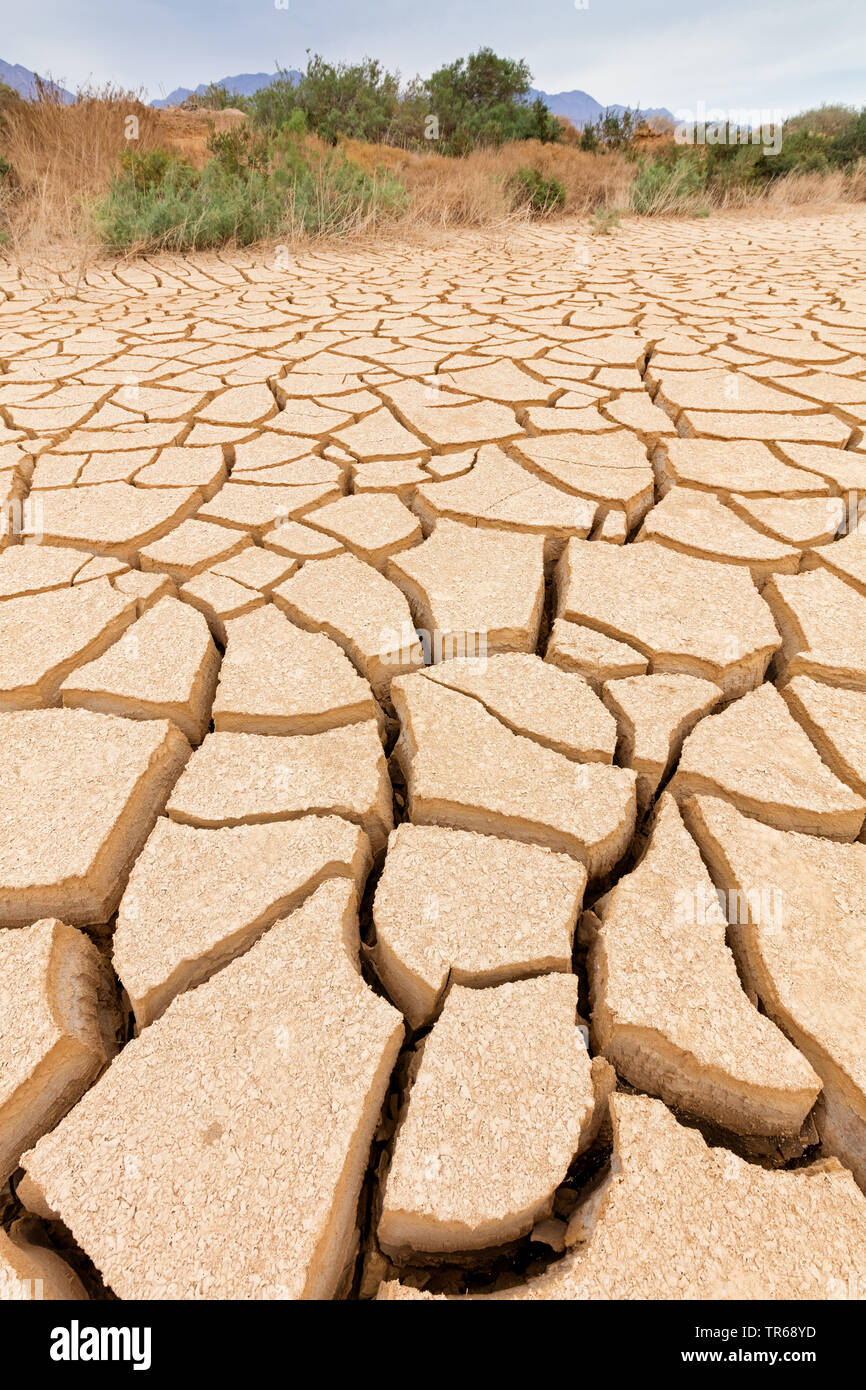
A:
[(788, 54)]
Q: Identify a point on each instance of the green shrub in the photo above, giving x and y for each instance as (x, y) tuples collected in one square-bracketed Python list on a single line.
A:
[(604, 220), (215, 97), (479, 100), (357, 100), (272, 107), (241, 151), (849, 144), (530, 189), (186, 210), (483, 100), (589, 141), (661, 187), (251, 189), (616, 129), (329, 193), (143, 170)]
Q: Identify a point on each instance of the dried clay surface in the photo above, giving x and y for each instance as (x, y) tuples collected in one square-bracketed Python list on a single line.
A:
[(433, 808)]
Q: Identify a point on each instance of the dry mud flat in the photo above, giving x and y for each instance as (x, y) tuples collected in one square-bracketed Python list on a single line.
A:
[(433, 707)]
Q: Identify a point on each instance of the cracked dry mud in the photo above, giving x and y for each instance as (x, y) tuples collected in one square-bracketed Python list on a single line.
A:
[(433, 707)]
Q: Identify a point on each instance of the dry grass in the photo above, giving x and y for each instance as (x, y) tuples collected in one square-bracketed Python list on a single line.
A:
[(813, 190), (471, 191), (62, 156)]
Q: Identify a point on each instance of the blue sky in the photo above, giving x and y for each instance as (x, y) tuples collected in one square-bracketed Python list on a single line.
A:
[(788, 54)]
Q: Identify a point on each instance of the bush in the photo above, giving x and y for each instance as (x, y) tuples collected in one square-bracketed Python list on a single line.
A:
[(528, 188), (482, 100), (589, 139), (616, 129), (215, 97), (186, 211), (144, 169), (849, 145), (248, 191), (603, 221), (357, 100), (272, 107), (661, 187), (240, 151), (325, 192)]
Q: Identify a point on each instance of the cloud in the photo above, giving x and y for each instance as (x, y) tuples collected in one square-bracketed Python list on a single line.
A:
[(734, 53)]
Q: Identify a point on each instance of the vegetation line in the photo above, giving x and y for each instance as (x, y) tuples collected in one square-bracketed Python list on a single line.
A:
[(341, 149)]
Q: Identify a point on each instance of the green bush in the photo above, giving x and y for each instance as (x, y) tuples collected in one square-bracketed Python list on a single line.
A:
[(603, 221), (849, 144), (530, 189), (589, 141), (215, 97), (272, 107), (250, 189), (144, 169), (661, 187), (241, 151), (357, 100), (482, 100), (330, 193), (186, 210), (479, 100)]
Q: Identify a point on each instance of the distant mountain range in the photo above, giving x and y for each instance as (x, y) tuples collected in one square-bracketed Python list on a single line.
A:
[(24, 81), (580, 108), (244, 84)]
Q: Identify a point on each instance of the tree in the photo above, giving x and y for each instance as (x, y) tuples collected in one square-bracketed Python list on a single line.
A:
[(483, 100)]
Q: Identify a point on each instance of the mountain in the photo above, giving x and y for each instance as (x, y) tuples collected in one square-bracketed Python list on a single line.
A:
[(244, 83), (24, 81), (582, 109)]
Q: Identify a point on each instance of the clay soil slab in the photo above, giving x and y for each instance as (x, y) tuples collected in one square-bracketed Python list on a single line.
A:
[(277, 679), (466, 769), (755, 755), (493, 1121), (198, 898), (57, 1029), (78, 799), (45, 636), (468, 584), (164, 667), (241, 779), (257, 1092), (686, 615), (454, 907), (668, 1008)]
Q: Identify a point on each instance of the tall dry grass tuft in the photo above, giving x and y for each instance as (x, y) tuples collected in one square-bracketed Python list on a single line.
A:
[(815, 189), (62, 155), (471, 191)]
